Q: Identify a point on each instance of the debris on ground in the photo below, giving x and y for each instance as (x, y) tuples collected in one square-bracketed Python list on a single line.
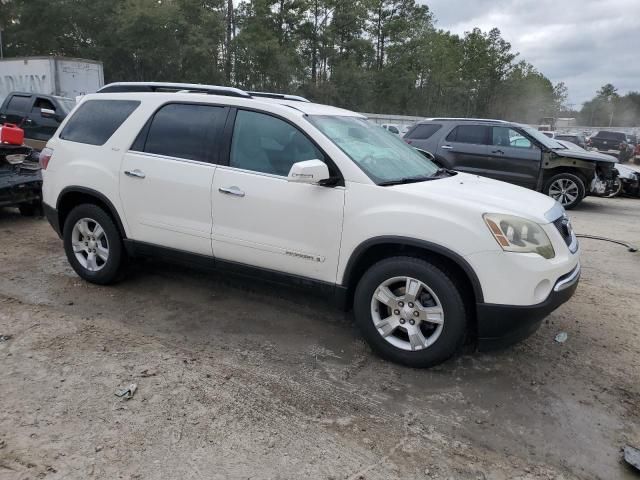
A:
[(148, 372), (127, 392), (632, 456), (4, 338), (562, 337)]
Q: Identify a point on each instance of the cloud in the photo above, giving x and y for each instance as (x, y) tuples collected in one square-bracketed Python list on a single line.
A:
[(584, 43)]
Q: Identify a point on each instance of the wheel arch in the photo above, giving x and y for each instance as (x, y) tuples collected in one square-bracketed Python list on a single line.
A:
[(70, 197), (378, 248)]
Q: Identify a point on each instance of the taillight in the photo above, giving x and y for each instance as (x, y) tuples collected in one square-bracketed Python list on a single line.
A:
[(622, 146), (45, 157)]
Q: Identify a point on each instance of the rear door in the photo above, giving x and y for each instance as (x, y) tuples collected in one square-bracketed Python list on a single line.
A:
[(17, 110), (166, 177), (465, 149), (514, 158)]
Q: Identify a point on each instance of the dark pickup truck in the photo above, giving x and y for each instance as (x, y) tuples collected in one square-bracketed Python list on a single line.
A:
[(38, 115), (612, 143)]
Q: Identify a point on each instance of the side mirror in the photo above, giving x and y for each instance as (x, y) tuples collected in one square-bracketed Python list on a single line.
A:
[(309, 171), (47, 113)]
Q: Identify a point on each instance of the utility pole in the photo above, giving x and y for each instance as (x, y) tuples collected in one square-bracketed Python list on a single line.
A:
[(1, 52)]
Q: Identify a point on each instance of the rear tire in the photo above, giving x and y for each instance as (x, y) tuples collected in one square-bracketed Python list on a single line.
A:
[(566, 188), (93, 244), (424, 320)]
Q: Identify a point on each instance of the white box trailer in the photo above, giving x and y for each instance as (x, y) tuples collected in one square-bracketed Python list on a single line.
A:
[(65, 77)]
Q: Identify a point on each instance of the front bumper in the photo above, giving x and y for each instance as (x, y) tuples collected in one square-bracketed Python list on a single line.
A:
[(503, 325)]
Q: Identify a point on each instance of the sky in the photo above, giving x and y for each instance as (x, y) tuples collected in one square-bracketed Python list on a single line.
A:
[(583, 43)]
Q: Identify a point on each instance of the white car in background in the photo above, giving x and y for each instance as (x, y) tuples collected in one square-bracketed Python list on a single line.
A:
[(286, 190)]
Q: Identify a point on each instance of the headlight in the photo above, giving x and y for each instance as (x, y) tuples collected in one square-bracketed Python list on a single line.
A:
[(515, 234)]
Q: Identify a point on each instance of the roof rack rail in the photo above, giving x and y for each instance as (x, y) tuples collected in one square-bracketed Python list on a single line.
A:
[(122, 87), (466, 119), (279, 96)]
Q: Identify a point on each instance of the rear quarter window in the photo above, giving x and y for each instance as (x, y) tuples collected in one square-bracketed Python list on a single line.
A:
[(96, 121), (423, 131)]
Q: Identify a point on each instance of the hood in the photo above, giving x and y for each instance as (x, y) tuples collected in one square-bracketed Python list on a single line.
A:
[(585, 155), (485, 195), (628, 172)]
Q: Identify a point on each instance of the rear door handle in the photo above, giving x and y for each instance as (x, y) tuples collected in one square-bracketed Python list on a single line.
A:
[(134, 173), (498, 151), (231, 191), (447, 147)]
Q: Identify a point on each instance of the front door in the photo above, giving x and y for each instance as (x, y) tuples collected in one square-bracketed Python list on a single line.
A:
[(166, 177), (514, 158), (263, 220)]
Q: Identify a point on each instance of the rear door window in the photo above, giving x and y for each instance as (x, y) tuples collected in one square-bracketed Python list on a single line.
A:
[(96, 121), (423, 131), (19, 103), (183, 130), (474, 134)]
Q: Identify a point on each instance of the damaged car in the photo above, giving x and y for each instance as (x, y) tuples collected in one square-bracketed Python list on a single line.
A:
[(514, 153), (20, 179)]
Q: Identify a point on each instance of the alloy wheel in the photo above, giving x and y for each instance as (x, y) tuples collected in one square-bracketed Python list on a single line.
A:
[(407, 313), (90, 244), (564, 190)]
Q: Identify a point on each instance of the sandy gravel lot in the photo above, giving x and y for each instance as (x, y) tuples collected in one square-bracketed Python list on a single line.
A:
[(242, 380)]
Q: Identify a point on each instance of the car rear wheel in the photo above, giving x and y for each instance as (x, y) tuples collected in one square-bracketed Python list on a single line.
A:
[(568, 189), (93, 244), (410, 311)]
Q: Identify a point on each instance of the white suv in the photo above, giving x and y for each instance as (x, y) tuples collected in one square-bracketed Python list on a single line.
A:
[(309, 194)]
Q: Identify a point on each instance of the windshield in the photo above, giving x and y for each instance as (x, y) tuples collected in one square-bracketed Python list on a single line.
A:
[(542, 138), (380, 154)]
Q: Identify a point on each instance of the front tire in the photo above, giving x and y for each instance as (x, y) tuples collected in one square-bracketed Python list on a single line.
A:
[(93, 244), (410, 311), (566, 188)]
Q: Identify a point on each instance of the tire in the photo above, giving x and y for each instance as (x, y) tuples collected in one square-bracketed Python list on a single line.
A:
[(571, 184), (104, 269), (443, 333)]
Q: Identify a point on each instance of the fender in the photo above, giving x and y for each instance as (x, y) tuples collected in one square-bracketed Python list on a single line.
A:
[(99, 196), (361, 249)]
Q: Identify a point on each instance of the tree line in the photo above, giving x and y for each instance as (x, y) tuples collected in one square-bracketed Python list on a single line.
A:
[(380, 56)]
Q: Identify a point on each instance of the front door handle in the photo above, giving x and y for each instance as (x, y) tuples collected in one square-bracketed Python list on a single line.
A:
[(498, 151), (231, 191), (447, 147), (134, 173)]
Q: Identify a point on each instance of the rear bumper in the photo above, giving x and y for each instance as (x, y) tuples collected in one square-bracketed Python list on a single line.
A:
[(503, 325), (51, 215)]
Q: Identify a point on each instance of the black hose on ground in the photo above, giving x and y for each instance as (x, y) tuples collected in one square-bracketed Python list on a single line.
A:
[(630, 247)]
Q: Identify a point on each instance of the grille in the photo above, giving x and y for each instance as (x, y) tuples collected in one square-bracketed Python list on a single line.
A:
[(564, 227)]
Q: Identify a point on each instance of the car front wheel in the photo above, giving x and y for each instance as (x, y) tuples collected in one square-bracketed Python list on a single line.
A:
[(93, 244), (568, 189), (410, 311)]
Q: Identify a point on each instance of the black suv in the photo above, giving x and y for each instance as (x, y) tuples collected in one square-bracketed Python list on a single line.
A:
[(37, 114), (513, 153), (613, 143)]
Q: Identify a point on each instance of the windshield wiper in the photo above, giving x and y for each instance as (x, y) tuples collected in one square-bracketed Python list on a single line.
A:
[(401, 181)]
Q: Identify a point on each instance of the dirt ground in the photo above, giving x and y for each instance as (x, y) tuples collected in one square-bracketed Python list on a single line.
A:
[(242, 380)]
